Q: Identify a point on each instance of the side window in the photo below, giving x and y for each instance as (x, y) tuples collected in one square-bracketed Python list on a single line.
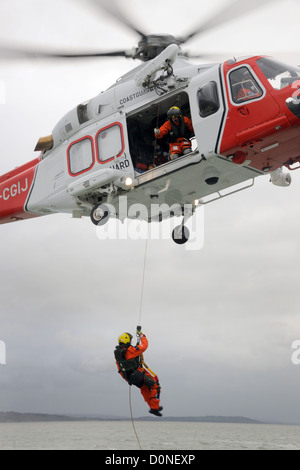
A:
[(243, 85), (110, 142), (208, 99), (80, 156)]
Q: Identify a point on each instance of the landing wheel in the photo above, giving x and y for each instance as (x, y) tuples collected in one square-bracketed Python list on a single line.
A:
[(180, 234), (100, 215)]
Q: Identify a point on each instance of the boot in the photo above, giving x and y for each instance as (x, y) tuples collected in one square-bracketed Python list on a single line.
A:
[(156, 412)]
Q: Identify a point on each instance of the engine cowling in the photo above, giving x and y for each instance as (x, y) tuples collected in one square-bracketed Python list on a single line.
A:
[(280, 178)]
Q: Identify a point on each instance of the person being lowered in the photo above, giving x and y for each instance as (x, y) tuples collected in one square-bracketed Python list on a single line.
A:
[(131, 367), (180, 129)]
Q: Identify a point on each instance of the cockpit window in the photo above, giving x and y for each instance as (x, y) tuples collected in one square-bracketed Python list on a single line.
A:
[(243, 85), (278, 73)]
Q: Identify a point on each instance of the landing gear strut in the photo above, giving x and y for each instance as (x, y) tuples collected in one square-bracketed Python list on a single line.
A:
[(181, 233), (100, 214)]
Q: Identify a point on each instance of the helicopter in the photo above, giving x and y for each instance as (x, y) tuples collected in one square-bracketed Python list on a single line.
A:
[(246, 119)]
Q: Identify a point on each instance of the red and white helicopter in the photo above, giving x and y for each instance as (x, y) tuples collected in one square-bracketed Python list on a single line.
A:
[(246, 118)]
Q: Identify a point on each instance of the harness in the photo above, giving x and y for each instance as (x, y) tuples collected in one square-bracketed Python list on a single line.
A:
[(127, 366), (179, 131), (132, 369)]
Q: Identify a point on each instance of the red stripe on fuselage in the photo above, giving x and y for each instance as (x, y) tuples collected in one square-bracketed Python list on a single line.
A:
[(14, 190)]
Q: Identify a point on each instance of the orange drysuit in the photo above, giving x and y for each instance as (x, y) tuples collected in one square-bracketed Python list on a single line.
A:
[(149, 385), (180, 132)]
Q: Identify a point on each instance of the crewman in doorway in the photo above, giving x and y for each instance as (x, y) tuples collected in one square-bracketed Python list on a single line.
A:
[(180, 129), (132, 368)]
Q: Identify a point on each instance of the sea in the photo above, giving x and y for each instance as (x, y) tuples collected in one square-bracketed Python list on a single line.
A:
[(114, 437)]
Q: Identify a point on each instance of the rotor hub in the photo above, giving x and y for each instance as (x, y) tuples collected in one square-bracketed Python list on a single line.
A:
[(153, 44)]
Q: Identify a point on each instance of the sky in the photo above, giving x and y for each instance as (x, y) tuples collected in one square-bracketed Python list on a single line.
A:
[(220, 321)]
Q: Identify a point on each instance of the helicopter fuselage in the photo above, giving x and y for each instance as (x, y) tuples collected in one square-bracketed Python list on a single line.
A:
[(246, 119)]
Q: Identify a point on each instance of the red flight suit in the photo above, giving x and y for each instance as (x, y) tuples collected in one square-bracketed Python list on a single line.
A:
[(150, 394), (181, 142)]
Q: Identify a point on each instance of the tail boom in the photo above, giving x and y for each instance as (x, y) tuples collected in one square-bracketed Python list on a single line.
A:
[(15, 187)]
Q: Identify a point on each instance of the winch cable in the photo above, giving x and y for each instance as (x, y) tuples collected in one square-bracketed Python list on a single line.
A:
[(132, 421), (140, 314), (155, 141), (143, 281)]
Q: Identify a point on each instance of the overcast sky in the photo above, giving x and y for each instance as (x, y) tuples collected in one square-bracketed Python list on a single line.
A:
[(220, 321)]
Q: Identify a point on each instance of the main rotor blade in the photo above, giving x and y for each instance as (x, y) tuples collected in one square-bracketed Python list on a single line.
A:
[(112, 8), (230, 12), (14, 53)]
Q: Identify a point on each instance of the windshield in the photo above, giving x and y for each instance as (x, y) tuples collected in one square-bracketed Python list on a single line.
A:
[(278, 73)]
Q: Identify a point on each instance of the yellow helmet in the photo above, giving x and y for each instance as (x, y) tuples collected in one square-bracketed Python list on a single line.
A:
[(174, 112), (125, 338)]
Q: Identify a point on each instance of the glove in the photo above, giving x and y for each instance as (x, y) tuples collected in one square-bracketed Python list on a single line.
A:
[(156, 132), (139, 330)]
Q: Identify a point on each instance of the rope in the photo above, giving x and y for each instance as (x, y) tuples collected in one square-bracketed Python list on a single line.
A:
[(137, 437), (140, 314), (155, 141), (143, 281)]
